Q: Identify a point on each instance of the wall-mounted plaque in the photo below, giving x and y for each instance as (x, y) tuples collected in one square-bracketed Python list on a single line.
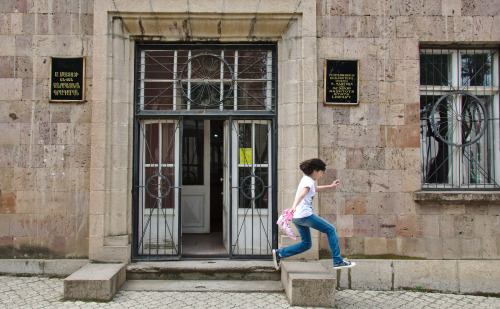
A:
[(341, 82), (67, 79)]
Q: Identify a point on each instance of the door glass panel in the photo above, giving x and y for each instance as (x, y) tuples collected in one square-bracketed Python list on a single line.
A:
[(261, 143), (192, 154)]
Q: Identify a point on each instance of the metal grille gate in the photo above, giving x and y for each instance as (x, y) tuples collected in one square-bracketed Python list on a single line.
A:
[(235, 84)]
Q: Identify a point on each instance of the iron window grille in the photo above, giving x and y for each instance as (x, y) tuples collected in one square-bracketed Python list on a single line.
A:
[(189, 79), (459, 119)]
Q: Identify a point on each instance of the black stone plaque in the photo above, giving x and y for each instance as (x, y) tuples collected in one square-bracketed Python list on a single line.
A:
[(67, 79), (341, 82)]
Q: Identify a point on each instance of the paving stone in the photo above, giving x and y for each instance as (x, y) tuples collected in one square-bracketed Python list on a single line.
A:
[(41, 292)]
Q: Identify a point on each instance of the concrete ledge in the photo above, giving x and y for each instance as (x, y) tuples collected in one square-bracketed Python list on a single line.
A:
[(490, 197), (478, 277), (50, 268), (308, 284), (96, 282)]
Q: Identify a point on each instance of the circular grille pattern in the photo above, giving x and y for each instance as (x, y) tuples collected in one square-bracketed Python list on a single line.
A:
[(459, 118), (251, 184), (158, 186), (206, 80)]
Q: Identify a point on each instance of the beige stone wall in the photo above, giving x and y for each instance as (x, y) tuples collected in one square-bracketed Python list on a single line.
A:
[(374, 148), (119, 23), (44, 147), (66, 169)]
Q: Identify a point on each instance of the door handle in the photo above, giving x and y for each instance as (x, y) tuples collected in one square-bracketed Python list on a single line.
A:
[(221, 179)]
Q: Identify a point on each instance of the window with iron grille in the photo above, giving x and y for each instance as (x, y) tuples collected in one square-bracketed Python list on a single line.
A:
[(459, 119), (224, 78)]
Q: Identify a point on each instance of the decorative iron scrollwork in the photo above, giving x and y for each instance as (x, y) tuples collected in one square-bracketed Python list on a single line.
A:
[(206, 80), (158, 186), (252, 183), (459, 112)]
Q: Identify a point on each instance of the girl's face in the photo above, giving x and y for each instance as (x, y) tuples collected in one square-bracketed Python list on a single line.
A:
[(317, 174)]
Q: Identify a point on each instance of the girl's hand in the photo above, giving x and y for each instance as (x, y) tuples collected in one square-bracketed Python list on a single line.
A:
[(335, 183), (292, 210)]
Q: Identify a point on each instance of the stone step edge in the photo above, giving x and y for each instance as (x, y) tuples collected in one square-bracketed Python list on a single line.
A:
[(266, 286)]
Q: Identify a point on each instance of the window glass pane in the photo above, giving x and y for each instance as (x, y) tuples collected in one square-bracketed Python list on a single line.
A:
[(252, 64), (168, 147), (159, 64), (151, 151), (478, 157), (244, 189), (251, 95), (168, 184), (435, 163), (192, 153), (158, 191), (158, 95), (245, 136), (261, 143), (435, 70), (262, 188), (476, 69)]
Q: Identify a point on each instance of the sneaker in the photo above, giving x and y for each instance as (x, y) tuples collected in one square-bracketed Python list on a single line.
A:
[(344, 264), (276, 259)]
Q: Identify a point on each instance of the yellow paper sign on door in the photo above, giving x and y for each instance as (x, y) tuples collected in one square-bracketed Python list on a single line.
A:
[(245, 155)]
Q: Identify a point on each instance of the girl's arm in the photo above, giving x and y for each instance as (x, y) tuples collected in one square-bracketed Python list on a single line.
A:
[(299, 198), (323, 188)]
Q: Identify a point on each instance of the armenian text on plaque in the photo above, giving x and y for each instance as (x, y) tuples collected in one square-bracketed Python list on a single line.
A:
[(67, 79), (341, 82)]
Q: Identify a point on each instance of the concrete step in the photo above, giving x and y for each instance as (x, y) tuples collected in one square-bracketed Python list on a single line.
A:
[(308, 284), (203, 270), (95, 282), (267, 286)]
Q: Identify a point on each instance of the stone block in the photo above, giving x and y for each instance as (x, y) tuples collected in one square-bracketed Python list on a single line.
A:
[(365, 225), (10, 89), (430, 275), (452, 248), (95, 282), (451, 7), (308, 284), (434, 247), (479, 277), (375, 246)]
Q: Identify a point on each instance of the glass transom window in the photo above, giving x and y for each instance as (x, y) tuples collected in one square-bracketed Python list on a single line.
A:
[(234, 78)]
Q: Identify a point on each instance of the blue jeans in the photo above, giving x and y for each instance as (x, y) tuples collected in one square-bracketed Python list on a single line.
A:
[(317, 223)]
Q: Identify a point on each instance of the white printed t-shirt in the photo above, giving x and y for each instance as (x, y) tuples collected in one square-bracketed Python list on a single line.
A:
[(304, 209)]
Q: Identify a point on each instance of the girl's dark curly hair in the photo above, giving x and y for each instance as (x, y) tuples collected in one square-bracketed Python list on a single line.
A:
[(311, 165)]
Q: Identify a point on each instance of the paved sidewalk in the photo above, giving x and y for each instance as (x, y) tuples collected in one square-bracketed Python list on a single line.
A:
[(35, 292)]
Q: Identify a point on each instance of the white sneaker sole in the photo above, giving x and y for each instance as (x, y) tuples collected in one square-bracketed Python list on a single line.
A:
[(275, 260), (347, 266)]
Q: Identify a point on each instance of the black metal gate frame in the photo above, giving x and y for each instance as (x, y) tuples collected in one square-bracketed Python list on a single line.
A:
[(180, 115)]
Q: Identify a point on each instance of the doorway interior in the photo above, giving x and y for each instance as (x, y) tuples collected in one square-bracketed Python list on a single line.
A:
[(200, 136)]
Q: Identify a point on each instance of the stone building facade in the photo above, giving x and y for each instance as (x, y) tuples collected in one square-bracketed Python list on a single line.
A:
[(69, 181)]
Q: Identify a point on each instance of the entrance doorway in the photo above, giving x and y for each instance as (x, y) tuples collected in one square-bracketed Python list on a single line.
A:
[(202, 194), (205, 139)]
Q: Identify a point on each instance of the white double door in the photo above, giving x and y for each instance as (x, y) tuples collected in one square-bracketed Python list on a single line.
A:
[(175, 185)]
